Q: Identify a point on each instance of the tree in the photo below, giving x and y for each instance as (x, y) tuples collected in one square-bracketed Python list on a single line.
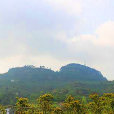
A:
[(58, 110), (22, 106), (2, 110), (45, 102)]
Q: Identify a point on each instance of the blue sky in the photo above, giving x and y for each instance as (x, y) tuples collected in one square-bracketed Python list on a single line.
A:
[(57, 32)]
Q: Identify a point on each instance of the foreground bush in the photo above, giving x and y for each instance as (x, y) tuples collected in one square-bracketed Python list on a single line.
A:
[(99, 105)]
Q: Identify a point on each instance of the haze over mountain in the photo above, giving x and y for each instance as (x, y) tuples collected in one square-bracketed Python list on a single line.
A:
[(31, 82), (67, 73), (57, 32), (53, 33)]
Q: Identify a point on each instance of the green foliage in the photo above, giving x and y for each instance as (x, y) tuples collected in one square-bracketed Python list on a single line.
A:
[(84, 100), (2, 110), (58, 110), (73, 80), (22, 106), (102, 104), (68, 72), (73, 105), (45, 102), (32, 82), (69, 99), (98, 105), (80, 73)]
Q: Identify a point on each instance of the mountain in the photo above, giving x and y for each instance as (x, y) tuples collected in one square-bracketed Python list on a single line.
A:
[(81, 73), (31, 82), (67, 73), (29, 73)]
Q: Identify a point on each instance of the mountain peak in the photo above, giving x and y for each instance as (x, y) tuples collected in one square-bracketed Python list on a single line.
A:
[(69, 72), (82, 72)]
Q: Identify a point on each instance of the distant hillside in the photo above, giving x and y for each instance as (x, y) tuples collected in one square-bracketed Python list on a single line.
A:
[(30, 81), (69, 72), (81, 73), (30, 73)]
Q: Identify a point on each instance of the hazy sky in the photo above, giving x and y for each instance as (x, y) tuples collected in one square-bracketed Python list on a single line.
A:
[(57, 32)]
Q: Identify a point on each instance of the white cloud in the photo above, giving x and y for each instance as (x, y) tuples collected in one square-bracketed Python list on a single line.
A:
[(57, 32), (21, 60), (105, 33), (103, 3), (97, 48), (72, 7), (9, 62)]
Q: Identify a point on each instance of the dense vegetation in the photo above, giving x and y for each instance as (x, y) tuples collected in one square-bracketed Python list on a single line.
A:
[(45, 105), (32, 82), (69, 72)]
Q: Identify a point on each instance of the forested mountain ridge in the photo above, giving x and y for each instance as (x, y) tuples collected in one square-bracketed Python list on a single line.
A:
[(69, 72), (81, 73), (31, 82)]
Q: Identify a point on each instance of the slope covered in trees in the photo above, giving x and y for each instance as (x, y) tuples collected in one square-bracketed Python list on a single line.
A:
[(68, 72), (31, 82), (45, 105), (81, 73)]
